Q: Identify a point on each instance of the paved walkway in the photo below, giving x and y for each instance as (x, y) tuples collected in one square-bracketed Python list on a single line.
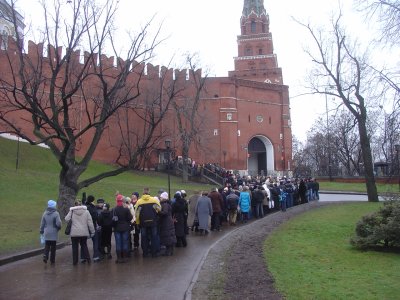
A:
[(162, 277)]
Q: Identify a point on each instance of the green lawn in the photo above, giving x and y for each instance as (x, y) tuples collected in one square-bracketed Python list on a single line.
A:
[(357, 187), (24, 192), (310, 258)]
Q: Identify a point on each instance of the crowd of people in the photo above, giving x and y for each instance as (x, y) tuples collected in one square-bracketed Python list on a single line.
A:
[(159, 224)]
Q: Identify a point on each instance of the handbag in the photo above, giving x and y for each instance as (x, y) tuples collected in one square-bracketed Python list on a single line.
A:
[(69, 225), (114, 217)]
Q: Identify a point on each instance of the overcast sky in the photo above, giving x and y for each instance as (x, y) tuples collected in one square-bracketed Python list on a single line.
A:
[(210, 28)]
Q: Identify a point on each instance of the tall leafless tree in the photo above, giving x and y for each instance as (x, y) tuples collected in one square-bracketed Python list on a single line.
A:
[(189, 121), (68, 100), (340, 71)]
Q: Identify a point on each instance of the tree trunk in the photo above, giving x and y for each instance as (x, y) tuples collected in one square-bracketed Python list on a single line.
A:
[(67, 192), (185, 156), (368, 163)]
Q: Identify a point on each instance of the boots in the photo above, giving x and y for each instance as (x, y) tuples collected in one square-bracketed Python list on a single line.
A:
[(124, 257), (108, 253), (119, 257)]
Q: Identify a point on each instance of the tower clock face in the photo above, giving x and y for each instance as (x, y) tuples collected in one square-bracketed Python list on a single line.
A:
[(259, 118)]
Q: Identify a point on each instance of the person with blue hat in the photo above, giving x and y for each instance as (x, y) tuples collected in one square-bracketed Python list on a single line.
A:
[(49, 227)]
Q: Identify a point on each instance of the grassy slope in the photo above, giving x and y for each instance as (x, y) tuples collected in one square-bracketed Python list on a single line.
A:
[(311, 258), (24, 192)]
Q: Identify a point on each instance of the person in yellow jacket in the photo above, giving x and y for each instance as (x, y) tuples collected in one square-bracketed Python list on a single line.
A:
[(146, 213)]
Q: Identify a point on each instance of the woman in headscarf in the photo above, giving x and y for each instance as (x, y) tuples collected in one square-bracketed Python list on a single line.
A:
[(166, 223), (203, 212), (178, 213)]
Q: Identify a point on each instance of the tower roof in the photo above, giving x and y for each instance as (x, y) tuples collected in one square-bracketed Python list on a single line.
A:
[(256, 6)]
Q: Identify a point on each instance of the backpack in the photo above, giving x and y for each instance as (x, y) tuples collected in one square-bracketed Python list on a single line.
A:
[(232, 202), (147, 215)]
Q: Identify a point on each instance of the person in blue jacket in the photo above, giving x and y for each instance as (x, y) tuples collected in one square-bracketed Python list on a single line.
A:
[(245, 203), (49, 227)]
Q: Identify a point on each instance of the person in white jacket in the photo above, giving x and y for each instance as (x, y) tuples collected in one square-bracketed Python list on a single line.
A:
[(82, 228)]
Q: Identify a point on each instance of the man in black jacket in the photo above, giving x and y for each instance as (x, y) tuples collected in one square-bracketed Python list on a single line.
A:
[(96, 238)]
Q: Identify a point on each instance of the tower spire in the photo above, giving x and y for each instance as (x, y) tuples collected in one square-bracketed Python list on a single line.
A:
[(255, 6), (256, 59)]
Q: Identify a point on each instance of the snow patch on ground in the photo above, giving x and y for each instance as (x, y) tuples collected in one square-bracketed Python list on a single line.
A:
[(17, 138)]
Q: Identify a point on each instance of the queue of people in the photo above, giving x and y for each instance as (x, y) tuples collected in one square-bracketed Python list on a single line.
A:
[(159, 224)]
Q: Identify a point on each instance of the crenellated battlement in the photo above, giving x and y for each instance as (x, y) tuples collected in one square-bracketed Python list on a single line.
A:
[(109, 63)]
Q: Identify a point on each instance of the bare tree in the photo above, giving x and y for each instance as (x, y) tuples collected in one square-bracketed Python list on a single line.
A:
[(67, 100), (189, 121), (340, 71), (388, 15), (345, 143)]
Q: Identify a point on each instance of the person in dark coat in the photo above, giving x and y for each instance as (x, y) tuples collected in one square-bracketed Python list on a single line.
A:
[(105, 221), (217, 205), (302, 191), (166, 223), (178, 213), (96, 238), (122, 219)]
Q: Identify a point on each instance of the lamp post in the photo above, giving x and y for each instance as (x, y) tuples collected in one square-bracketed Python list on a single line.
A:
[(397, 148), (168, 146), (224, 153), (17, 159)]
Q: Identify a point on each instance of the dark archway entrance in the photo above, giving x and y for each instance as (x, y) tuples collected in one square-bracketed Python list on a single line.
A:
[(260, 156)]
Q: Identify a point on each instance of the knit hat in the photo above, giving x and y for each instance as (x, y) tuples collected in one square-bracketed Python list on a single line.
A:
[(164, 196), (119, 199), (51, 204)]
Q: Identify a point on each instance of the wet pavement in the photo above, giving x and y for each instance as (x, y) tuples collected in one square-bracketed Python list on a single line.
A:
[(148, 278)]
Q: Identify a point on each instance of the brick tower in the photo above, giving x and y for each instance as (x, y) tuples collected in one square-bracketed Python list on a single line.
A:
[(256, 59)]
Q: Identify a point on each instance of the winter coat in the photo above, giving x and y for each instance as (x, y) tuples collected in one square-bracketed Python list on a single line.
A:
[(245, 202), (232, 201), (302, 189), (178, 212), (82, 223), (266, 194), (258, 196), (50, 224), (216, 201), (105, 219), (203, 211), (166, 223), (146, 200), (93, 212), (124, 219)]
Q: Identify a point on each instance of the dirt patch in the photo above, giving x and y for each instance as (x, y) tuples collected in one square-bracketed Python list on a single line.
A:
[(235, 266)]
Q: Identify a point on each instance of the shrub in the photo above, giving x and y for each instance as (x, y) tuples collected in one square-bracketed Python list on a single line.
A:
[(380, 229)]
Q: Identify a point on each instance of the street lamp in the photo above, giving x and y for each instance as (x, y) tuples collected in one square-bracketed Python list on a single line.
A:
[(17, 160), (224, 153), (397, 148), (168, 146)]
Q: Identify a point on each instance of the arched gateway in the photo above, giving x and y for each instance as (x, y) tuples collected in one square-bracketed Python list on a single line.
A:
[(260, 158)]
